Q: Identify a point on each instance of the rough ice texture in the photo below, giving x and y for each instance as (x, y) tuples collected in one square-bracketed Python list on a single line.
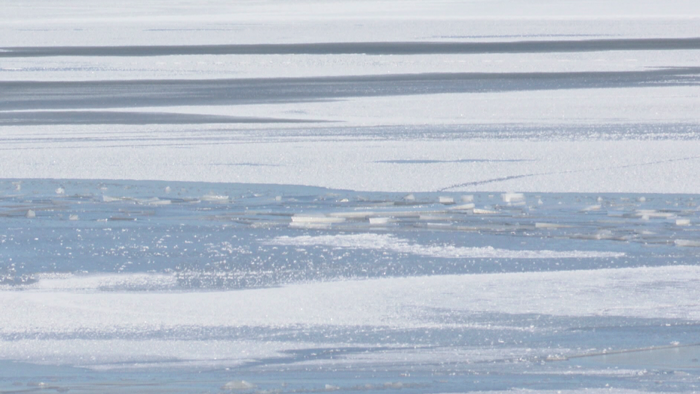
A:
[(394, 244), (552, 120), (60, 316), (544, 135)]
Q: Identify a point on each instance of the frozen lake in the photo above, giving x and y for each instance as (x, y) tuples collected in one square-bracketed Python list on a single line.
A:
[(291, 197), (294, 288)]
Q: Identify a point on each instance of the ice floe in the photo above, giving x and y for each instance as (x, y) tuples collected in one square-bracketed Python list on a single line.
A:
[(235, 385)]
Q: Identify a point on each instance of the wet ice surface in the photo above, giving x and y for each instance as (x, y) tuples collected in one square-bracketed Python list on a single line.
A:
[(238, 235), (174, 286)]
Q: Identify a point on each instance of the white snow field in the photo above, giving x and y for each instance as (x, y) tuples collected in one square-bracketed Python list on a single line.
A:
[(354, 196), (44, 317)]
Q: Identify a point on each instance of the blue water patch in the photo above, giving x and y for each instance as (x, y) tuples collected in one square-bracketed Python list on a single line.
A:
[(195, 229), (244, 235)]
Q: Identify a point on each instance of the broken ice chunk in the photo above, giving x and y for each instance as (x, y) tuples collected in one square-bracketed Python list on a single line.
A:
[(651, 213), (215, 198), (238, 385), (682, 222), (73, 218), (479, 211), (31, 214), (351, 215), (410, 197), (549, 225), (60, 190), (378, 221), (316, 219), (467, 198), (462, 207), (512, 197), (446, 200), (154, 201)]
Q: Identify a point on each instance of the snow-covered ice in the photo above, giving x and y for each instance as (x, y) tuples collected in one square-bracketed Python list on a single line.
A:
[(351, 196)]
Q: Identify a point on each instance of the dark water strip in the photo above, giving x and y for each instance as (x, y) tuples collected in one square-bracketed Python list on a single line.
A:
[(369, 48), (27, 95), (426, 161), (30, 118)]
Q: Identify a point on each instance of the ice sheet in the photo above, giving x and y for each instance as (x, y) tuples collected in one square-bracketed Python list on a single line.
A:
[(333, 160), (131, 261), (66, 309)]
